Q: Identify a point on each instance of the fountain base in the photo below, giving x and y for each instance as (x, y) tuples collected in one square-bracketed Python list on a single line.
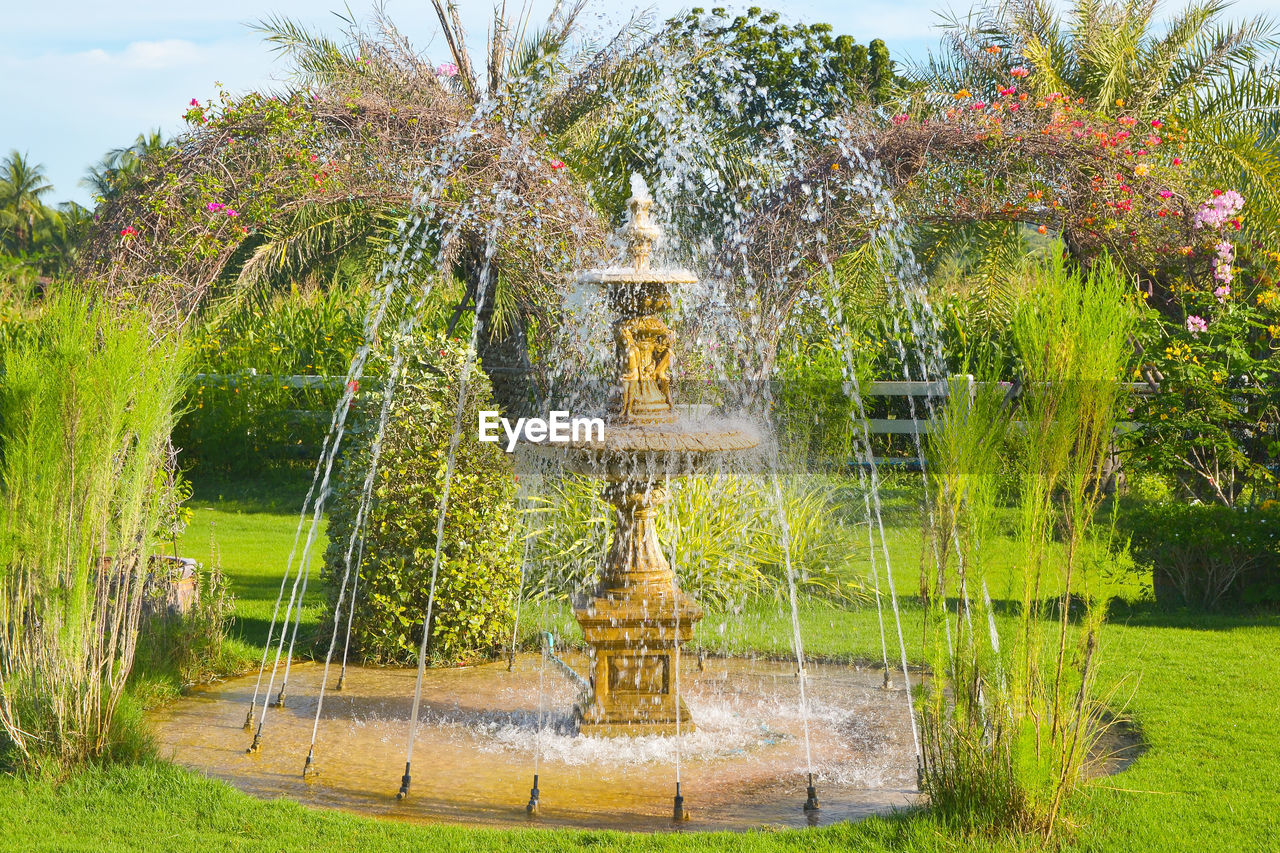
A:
[(635, 642)]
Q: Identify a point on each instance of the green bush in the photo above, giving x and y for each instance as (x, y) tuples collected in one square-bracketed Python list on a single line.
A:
[(1207, 555), (719, 531), (239, 414), (479, 572), (190, 648)]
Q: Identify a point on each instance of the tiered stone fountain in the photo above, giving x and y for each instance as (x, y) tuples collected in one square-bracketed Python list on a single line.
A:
[(638, 617)]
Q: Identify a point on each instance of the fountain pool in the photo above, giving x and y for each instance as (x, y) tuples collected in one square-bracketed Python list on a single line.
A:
[(743, 768)]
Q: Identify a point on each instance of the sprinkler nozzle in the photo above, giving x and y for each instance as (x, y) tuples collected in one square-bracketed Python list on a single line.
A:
[(248, 721), (309, 771), (811, 802), (702, 661), (404, 783), (678, 812), (532, 808), (279, 703), (888, 684), (257, 742), (342, 679)]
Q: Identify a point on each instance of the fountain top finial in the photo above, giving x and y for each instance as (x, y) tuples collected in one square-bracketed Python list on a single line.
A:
[(640, 231)]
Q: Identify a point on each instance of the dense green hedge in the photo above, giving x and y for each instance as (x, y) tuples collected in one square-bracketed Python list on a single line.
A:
[(479, 571), (1207, 555), (240, 416)]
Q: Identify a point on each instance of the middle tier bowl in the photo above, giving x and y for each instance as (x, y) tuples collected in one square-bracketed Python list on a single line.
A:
[(652, 452)]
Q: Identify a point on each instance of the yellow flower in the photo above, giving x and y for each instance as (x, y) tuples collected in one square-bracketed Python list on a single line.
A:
[(963, 93), (1218, 376), (1142, 170)]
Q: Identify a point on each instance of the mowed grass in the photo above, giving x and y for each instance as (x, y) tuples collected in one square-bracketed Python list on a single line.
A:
[(250, 529), (1203, 692)]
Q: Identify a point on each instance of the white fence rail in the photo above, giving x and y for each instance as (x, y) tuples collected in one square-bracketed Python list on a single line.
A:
[(877, 426)]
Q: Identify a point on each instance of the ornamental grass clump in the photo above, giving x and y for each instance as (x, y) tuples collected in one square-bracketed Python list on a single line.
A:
[(86, 407), (1009, 727)]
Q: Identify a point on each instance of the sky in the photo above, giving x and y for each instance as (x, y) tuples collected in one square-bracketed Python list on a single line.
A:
[(80, 77)]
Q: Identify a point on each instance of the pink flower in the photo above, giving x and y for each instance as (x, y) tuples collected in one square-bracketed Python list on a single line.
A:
[(1165, 194), (1223, 292), (1177, 161), (194, 102), (1019, 71), (1216, 212), (1196, 325), (557, 164), (214, 206), (900, 118), (1155, 122), (447, 69), (232, 213)]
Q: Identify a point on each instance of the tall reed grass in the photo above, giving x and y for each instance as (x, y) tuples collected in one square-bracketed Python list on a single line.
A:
[(1009, 722), (87, 403)]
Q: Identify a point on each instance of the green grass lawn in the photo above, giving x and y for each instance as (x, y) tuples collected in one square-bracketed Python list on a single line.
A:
[(1204, 692)]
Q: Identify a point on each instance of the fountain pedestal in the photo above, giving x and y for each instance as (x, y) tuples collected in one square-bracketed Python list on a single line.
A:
[(637, 619), (635, 624)]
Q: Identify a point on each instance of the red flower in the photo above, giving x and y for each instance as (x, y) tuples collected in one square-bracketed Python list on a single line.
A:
[(557, 164)]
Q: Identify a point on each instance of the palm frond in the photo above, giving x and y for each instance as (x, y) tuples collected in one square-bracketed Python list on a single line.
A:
[(317, 56)]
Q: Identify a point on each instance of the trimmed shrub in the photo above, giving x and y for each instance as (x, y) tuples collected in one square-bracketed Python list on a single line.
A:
[(1207, 555), (479, 571)]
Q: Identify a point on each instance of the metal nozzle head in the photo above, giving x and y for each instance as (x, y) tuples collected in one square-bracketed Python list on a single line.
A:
[(811, 801)]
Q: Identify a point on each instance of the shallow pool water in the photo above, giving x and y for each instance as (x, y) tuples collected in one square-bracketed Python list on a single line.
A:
[(745, 766)]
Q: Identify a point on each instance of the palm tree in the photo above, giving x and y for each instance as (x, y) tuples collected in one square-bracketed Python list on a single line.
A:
[(119, 166), (22, 184), (1218, 80), (525, 74)]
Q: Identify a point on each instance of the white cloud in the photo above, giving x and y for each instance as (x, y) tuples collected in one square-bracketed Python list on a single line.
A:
[(141, 55)]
